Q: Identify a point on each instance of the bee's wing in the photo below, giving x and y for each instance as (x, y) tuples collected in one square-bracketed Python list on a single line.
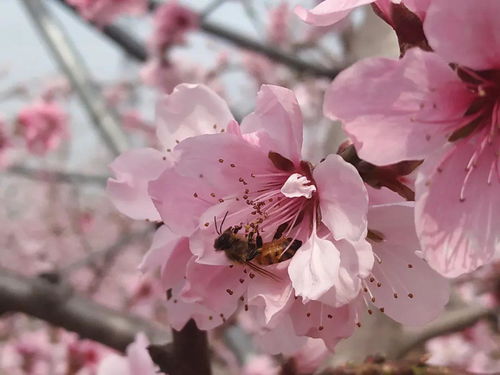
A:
[(263, 272)]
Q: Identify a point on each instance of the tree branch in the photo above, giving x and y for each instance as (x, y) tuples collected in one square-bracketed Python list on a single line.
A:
[(62, 307), (136, 49), (451, 322), (72, 64), (57, 176)]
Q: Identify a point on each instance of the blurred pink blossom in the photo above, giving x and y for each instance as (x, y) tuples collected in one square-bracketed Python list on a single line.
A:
[(446, 115), (104, 12), (171, 22), (43, 125), (277, 29), (475, 349), (260, 365), (136, 362)]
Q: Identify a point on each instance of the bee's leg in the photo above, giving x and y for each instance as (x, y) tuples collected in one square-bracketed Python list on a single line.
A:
[(258, 241), (253, 251), (280, 230), (296, 244)]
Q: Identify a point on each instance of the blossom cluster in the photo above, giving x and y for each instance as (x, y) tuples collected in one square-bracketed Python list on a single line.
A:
[(248, 225)]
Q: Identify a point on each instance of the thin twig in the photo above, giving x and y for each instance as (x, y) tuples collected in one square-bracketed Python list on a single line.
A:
[(56, 176), (136, 50), (73, 66), (62, 307)]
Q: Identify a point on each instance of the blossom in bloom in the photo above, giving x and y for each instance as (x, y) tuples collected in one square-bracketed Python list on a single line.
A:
[(441, 106), (251, 176), (43, 125), (171, 22), (212, 175), (137, 360), (104, 12), (328, 12)]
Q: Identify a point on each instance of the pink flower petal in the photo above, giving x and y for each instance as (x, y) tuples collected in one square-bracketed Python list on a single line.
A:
[(329, 11), (129, 189), (421, 292), (277, 119), (177, 199), (272, 294), (317, 320), (475, 46), (422, 102), (459, 236), (189, 111), (314, 268), (343, 198)]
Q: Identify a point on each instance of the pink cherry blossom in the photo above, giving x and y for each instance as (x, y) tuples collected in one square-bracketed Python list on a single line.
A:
[(43, 125), (329, 12), (254, 175), (218, 179), (104, 12), (137, 360), (447, 116), (171, 22)]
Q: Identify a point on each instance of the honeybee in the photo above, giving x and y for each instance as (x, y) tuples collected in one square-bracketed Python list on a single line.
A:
[(243, 249)]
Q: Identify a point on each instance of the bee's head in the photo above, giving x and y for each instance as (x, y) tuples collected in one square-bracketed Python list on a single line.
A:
[(224, 241)]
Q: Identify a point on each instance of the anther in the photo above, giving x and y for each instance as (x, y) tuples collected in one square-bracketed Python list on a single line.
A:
[(395, 295), (212, 195), (164, 158), (321, 328), (373, 299), (358, 324), (229, 291), (206, 224), (242, 299), (308, 315), (242, 281), (210, 317), (246, 307), (379, 284), (410, 265), (221, 160), (372, 279), (410, 295), (232, 165), (195, 195), (382, 309), (221, 200), (370, 312), (251, 275), (330, 316)]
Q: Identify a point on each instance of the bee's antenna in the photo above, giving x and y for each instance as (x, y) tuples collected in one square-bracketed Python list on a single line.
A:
[(222, 222), (216, 228)]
